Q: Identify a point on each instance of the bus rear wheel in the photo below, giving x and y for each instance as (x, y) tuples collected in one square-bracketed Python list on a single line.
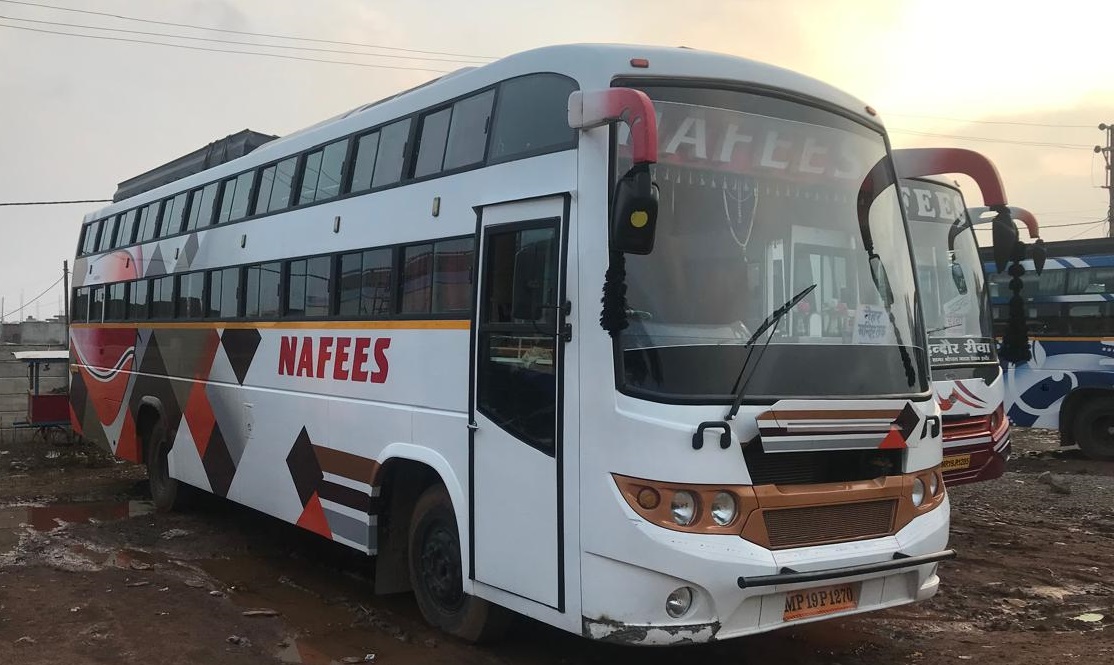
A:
[(167, 493), (1094, 429), (436, 573)]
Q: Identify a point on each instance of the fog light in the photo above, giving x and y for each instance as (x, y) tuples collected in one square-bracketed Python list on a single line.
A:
[(679, 602), (683, 508), (723, 508), (918, 492), (933, 485)]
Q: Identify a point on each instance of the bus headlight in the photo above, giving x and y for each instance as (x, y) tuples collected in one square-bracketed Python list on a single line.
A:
[(918, 492), (683, 507), (933, 484), (723, 508)]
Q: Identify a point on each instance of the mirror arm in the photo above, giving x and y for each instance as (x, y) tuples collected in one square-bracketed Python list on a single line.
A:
[(596, 108)]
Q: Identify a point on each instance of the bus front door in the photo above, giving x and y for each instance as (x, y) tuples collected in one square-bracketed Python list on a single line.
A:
[(516, 406)]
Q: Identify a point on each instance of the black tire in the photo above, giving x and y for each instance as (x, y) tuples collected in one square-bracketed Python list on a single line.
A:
[(167, 493), (437, 577), (1094, 429)]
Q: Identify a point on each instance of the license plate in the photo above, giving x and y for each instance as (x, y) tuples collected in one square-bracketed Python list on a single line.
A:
[(956, 462), (816, 602)]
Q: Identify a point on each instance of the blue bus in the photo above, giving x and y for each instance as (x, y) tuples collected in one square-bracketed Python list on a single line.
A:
[(1068, 385)]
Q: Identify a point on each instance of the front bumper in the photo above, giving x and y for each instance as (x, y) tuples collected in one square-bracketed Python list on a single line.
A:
[(740, 589)]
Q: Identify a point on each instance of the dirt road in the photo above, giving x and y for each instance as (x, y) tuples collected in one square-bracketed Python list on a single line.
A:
[(89, 575)]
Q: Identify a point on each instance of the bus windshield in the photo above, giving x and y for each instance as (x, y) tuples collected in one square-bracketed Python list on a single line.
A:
[(758, 200), (952, 284)]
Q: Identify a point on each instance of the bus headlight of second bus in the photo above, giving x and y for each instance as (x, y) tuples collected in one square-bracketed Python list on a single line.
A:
[(918, 492)]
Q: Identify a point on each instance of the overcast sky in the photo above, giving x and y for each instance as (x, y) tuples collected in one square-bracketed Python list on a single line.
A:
[(79, 115)]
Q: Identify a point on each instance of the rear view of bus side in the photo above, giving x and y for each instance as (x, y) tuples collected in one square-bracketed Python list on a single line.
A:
[(624, 339)]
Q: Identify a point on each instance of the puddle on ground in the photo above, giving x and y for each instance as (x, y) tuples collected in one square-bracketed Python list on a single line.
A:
[(14, 519)]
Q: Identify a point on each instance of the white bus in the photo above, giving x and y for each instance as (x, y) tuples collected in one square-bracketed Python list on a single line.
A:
[(966, 375), (624, 339)]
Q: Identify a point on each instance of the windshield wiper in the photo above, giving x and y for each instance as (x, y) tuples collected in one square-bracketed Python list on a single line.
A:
[(943, 328), (770, 323)]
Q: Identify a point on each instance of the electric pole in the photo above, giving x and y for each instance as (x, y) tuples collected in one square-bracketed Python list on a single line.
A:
[(1109, 186)]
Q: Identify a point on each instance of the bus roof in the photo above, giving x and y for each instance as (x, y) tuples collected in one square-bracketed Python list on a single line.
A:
[(591, 65)]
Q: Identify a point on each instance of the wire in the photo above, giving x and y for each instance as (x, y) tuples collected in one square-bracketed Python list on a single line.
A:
[(221, 50), (1052, 226), (52, 203), (986, 139), (32, 301), (1101, 221), (242, 32), (985, 122), (239, 43)]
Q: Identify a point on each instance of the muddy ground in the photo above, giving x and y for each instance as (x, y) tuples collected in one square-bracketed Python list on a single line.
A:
[(89, 575)]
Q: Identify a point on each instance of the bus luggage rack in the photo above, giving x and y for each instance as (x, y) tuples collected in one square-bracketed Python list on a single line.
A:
[(817, 525)]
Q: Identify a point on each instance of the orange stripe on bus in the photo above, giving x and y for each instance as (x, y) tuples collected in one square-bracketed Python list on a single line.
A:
[(427, 324)]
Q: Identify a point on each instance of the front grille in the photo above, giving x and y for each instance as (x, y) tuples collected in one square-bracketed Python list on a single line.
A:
[(816, 525), (821, 466), (966, 428)]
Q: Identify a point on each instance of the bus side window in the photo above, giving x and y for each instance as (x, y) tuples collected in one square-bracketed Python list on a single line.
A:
[(108, 232), (137, 300), (191, 290), (468, 131), (308, 286), (1045, 319), (452, 276), (116, 307), (417, 267), (392, 153), (162, 297), (125, 231), (432, 138), (531, 117), (80, 309), (364, 164), (201, 206), (321, 178), (96, 304), (89, 242), (1089, 318)]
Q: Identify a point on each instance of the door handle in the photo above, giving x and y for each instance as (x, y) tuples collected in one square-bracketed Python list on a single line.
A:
[(472, 427)]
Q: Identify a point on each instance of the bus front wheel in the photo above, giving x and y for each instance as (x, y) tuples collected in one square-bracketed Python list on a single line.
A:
[(1094, 429), (436, 573)]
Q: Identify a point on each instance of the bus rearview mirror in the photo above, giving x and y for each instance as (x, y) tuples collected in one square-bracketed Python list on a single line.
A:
[(634, 212), (1005, 238), (958, 277)]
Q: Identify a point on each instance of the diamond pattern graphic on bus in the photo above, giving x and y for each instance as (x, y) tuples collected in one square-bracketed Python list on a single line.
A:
[(219, 467), (155, 265), (185, 256), (240, 344), (306, 473)]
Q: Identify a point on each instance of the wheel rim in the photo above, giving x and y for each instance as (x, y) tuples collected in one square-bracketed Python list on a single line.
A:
[(1102, 431), (439, 564)]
